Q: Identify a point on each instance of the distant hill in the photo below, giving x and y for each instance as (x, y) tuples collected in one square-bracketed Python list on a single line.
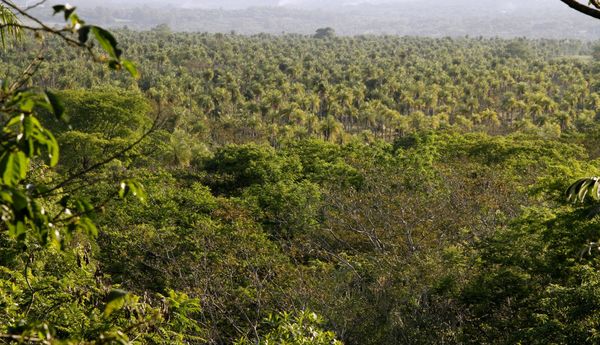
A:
[(510, 18)]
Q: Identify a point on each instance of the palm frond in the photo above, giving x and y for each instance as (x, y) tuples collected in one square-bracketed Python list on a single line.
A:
[(9, 25), (584, 188)]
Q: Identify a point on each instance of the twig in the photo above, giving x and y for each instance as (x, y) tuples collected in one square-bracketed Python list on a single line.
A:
[(28, 72), (29, 260), (37, 4)]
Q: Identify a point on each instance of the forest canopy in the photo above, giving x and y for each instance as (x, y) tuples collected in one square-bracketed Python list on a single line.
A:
[(193, 188)]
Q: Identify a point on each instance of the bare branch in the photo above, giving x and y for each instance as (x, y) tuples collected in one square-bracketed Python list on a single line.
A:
[(576, 5), (28, 72), (37, 4), (62, 33)]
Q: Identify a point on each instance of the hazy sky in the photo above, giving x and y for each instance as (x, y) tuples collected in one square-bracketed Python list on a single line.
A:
[(504, 18), (314, 3), (452, 7)]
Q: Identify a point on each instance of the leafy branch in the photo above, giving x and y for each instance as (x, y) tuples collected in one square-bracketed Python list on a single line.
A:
[(75, 26), (23, 138)]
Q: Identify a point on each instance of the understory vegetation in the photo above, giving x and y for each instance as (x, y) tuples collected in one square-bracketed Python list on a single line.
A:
[(301, 190)]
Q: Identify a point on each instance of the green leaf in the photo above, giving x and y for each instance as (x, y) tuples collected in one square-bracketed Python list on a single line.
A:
[(593, 193), (69, 12), (13, 167), (114, 64), (574, 189), (66, 9), (6, 197), (58, 8), (83, 206), (583, 190), (88, 227), (114, 301), (107, 41), (27, 127), (20, 201), (84, 225), (17, 230), (132, 187), (58, 109), (84, 34), (26, 105), (14, 120), (29, 149), (74, 18), (53, 148), (64, 201), (130, 67)]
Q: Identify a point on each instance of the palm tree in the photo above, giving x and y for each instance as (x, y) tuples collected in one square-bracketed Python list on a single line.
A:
[(331, 128), (312, 123), (9, 25)]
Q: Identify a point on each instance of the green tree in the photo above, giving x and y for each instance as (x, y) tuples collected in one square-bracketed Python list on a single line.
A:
[(302, 328), (324, 33), (47, 277)]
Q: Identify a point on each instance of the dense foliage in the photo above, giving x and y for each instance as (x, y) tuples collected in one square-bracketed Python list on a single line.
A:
[(233, 89), (303, 190)]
